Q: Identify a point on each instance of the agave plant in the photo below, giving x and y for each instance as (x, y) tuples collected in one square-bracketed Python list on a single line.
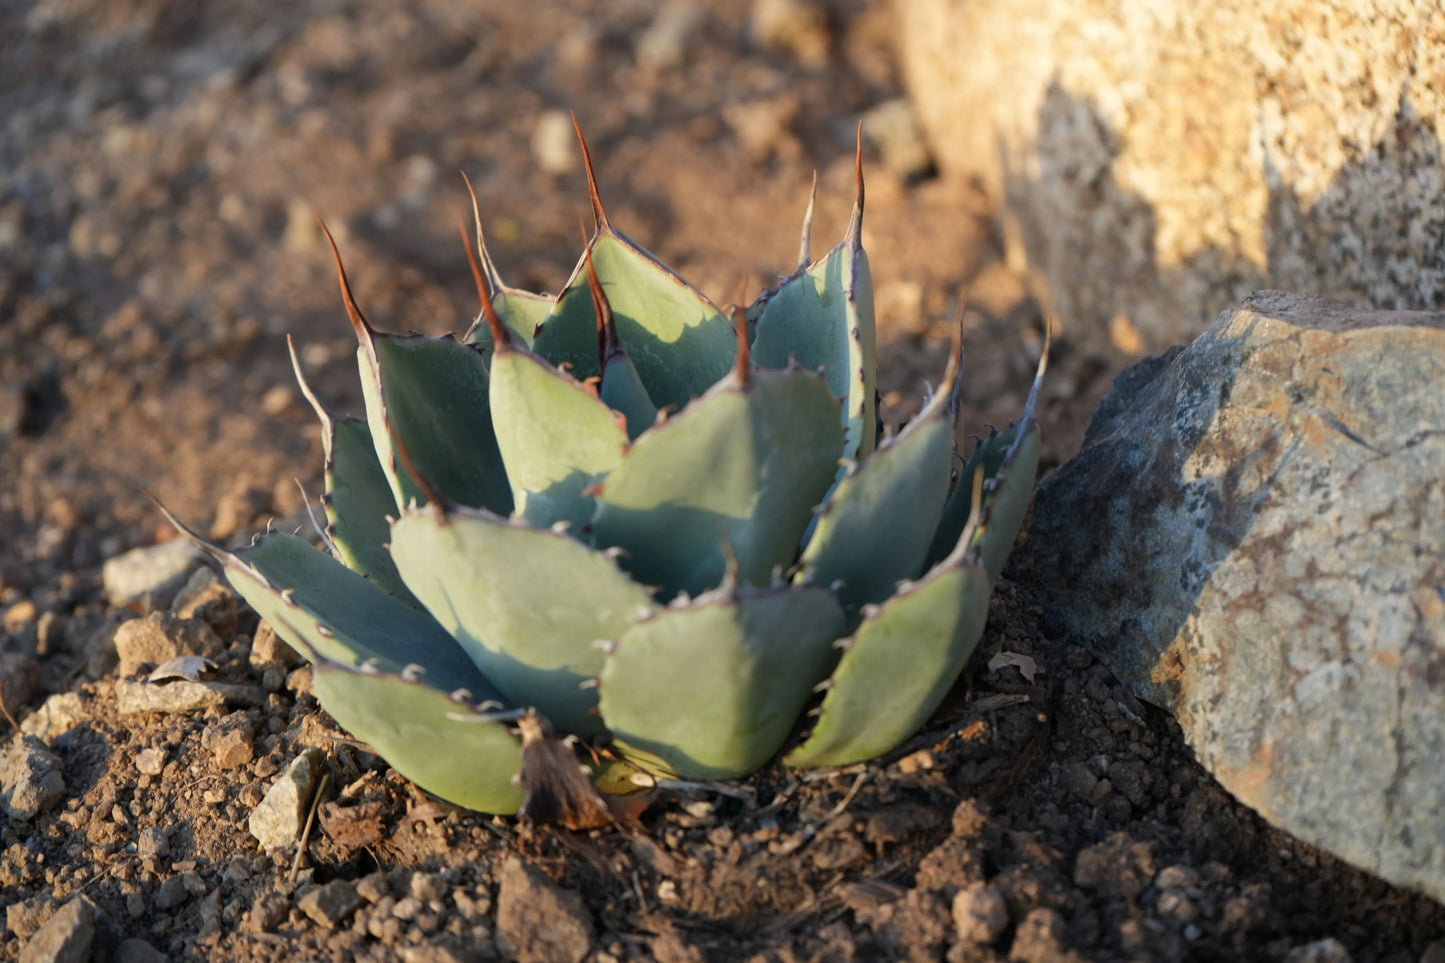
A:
[(645, 526)]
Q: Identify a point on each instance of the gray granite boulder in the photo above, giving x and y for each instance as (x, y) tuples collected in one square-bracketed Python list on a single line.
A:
[(1158, 161), (1254, 538)]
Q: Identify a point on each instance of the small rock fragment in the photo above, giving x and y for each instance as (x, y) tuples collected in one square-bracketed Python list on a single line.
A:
[(330, 905), (19, 679), (150, 761), (1327, 950), (893, 128), (1118, 866), (183, 696), (21, 613), (171, 893), (160, 637), (666, 42), (268, 648), (277, 821), (796, 27), (152, 841), (138, 951), (980, 914), (206, 597), (553, 143), (67, 938), (26, 917), (539, 922), (31, 778), (148, 570), (230, 740), (57, 715)]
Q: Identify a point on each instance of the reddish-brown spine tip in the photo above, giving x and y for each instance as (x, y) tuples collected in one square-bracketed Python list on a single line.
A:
[(501, 337), (598, 214), (740, 326), (855, 224), (363, 330), (609, 345)]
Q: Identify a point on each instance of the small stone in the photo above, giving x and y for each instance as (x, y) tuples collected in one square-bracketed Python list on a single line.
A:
[(19, 679), (268, 912), (171, 893), (554, 145), (57, 715), (673, 32), (980, 914), (230, 740), (268, 648), (797, 27), (183, 696), (244, 503), (32, 778), (330, 905), (152, 841), (20, 614), (893, 128), (539, 922), (1118, 866), (278, 819), (148, 571), (150, 761), (427, 887), (67, 938), (206, 597), (138, 951), (26, 917), (373, 887), (407, 908), (1327, 950), (160, 637)]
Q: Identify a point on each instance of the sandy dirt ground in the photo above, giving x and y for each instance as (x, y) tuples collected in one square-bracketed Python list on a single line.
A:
[(160, 164)]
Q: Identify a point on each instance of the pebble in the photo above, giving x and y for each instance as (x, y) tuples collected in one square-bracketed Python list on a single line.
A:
[(150, 761), (67, 938), (230, 740), (183, 696), (148, 570), (796, 27), (206, 597), (667, 41), (152, 841), (19, 680), (268, 649), (330, 905), (277, 821), (137, 951), (21, 613), (172, 892), (1327, 950), (26, 917), (980, 914), (554, 143), (893, 128), (32, 778), (538, 921), (161, 637), (56, 716)]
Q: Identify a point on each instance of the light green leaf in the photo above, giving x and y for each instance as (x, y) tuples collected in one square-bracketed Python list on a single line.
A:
[(526, 604), (711, 690), (899, 665), (746, 463)]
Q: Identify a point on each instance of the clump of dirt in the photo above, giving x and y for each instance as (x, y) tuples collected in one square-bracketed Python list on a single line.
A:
[(159, 164)]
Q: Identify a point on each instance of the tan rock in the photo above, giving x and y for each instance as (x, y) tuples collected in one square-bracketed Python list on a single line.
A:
[(1157, 162)]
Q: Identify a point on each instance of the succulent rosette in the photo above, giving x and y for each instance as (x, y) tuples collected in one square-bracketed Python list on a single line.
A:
[(657, 528)]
